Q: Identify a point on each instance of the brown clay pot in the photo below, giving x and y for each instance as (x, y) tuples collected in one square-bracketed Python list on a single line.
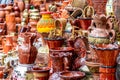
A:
[(10, 22), (61, 58), (101, 9), (27, 52), (53, 43), (83, 23), (72, 75), (105, 54), (41, 73)]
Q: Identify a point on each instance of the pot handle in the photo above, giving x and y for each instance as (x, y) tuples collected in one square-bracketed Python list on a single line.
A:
[(66, 63), (112, 35)]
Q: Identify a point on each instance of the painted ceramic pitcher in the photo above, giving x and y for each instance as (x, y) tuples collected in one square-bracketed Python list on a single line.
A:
[(101, 31)]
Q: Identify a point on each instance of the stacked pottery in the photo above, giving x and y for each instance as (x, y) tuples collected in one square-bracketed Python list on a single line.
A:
[(101, 39), (34, 18), (17, 13)]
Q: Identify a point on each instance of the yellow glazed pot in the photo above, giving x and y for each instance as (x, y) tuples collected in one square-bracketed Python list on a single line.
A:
[(46, 23)]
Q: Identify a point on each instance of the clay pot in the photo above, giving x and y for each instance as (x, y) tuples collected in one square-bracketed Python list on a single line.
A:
[(101, 31), (61, 58), (83, 23), (10, 22), (107, 54), (41, 73), (101, 9), (27, 52), (53, 43), (72, 75), (110, 76), (2, 12), (7, 44)]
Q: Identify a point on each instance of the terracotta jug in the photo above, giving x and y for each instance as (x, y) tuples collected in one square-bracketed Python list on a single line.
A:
[(11, 23), (100, 30), (7, 44), (99, 6), (27, 52), (61, 58)]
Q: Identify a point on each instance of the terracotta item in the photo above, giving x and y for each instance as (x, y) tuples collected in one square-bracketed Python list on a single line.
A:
[(10, 22), (27, 52), (101, 31), (7, 44), (8, 9), (61, 58), (53, 43), (16, 10), (46, 23), (2, 12), (101, 9), (21, 5), (2, 28), (83, 23), (72, 75), (107, 54), (41, 73), (110, 76)]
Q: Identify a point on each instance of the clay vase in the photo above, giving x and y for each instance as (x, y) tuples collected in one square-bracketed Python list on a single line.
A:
[(101, 31), (27, 52), (21, 5), (10, 22), (41, 73), (46, 23), (83, 23), (72, 75), (7, 44), (61, 58), (2, 12), (101, 9)]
